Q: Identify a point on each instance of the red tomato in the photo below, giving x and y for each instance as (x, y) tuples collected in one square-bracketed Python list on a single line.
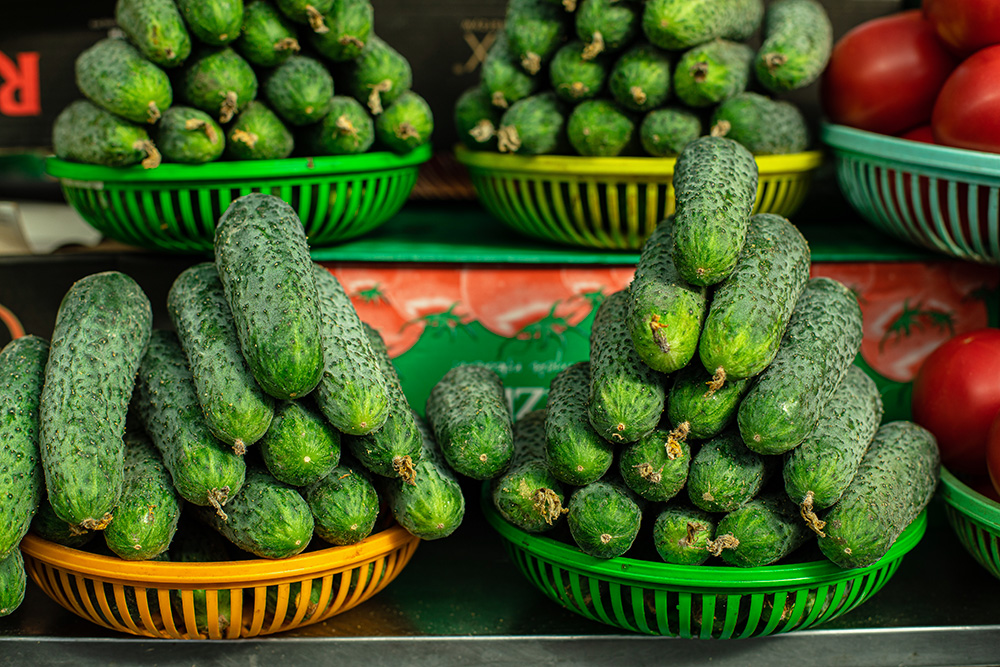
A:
[(884, 74), (967, 111), (993, 458), (956, 396), (922, 134), (965, 25)]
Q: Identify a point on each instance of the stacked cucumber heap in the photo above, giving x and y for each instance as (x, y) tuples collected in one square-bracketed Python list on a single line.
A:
[(623, 77), (720, 403), (269, 413), (194, 81)]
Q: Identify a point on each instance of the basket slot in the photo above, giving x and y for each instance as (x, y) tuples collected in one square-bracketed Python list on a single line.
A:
[(282, 593), (820, 603), (776, 613), (187, 614), (636, 229), (753, 616), (323, 609), (707, 616), (212, 615), (793, 616), (732, 617), (236, 609), (616, 593), (163, 595), (660, 608), (258, 610)]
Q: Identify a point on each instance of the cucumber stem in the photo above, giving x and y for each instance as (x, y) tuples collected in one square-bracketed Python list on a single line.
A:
[(153, 157), (483, 131), (715, 384), (648, 473), (217, 498), (498, 99), (774, 60), (508, 139), (699, 72), (727, 541), (693, 528), (595, 48), (239, 447), (375, 98), (316, 21), (228, 107), (656, 328), (638, 94), (721, 128), (403, 466), (809, 516), (547, 503), (152, 112), (287, 44), (351, 40), (570, 5), (198, 124), (532, 63), (248, 138), (91, 524), (676, 437)]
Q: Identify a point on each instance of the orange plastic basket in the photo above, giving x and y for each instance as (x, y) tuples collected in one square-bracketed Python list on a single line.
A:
[(185, 600)]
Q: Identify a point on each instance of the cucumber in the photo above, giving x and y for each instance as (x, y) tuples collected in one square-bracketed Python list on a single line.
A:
[(682, 534), (219, 82), (535, 30), (22, 371), (528, 495), (626, 396), (575, 452), (715, 187), (606, 26), (344, 504), (146, 517), (48, 526), (706, 413), (267, 37), (598, 128), (798, 40), (895, 481), (468, 413), (349, 24), (352, 392), (712, 72), (640, 78), (197, 543), (156, 28), (666, 131), (764, 531), (267, 274), (476, 118), (503, 78), (217, 22), (258, 134), (535, 125), (84, 132), (604, 518), (307, 12), (101, 331), (406, 124), (725, 474), (656, 466), (681, 24), (575, 78), (300, 447), (13, 582), (188, 135), (204, 470), (664, 313), (750, 310), (235, 408), (762, 125), (821, 340), (299, 90), (347, 129), (378, 76), (267, 518), (115, 76)]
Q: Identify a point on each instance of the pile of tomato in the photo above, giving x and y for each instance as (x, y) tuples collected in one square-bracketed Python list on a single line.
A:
[(930, 74)]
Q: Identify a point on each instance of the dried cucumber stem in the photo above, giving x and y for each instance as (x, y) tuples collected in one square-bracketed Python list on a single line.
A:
[(693, 528), (239, 448), (774, 60), (228, 107), (316, 20), (345, 126), (287, 44), (248, 138), (499, 100), (532, 63), (638, 94), (699, 71), (217, 498), (547, 503), (375, 97), (508, 140), (483, 131), (675, 438), (727, 541), (153, 157), (656, 327), (197, 124), (351, 40), (715, 384), (809, 516), (92, 524), (152, 112), (595, 47), (403, 466), (570, 5), (406, 131), (721, 128), (606, 538), (649, 473)]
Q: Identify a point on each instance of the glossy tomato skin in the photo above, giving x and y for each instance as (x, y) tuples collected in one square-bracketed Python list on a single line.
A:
[(964, 25), (993, 459), (884, 74), (956, 396), (923, 134), (967, 111)]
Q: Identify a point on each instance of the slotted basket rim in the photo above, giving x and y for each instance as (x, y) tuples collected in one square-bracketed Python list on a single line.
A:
[(968, 501)]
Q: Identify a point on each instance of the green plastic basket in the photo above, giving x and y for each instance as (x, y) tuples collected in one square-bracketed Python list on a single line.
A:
[(609, 203), (175, 207), (975, 519), (703, 601), (941, 198)]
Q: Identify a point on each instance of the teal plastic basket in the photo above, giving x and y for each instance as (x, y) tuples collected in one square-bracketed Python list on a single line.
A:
[(941, 198), (975, 520)]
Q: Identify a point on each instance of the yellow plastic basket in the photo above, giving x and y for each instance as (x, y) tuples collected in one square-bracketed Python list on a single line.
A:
[(164, 599), (609, 203)]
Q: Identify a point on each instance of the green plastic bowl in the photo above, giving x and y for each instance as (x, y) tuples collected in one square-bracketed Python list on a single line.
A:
[(975, 519), (703, 601), (175, 207)]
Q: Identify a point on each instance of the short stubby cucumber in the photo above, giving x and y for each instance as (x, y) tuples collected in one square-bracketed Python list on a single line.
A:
[(347, 130), (267, 37), (468, 412), (378, 76), (504, 80), (349, 24), (683, 535), (219, 81), (895, 481), (656, 466), (267, 274), (820, 342), (712, 72), (406, 124), (715, 187), (681, 24), (535, 125), (606, 26), (101, 331), (763, 531), (575, 78), (703, 413), (13, 582), (300, 447), (217, 22), (604, 517), (299, 90), (476, 118), (116, 77), (344, 504), (640, 78), (189, 136), (535, 30), (627, 397), (724, 474), (258, 134), (665, 312), (750, 310), (762, 125), (798, 40), (84, 132), (156, 28), (576, 453), (599, 128), (666, 131)]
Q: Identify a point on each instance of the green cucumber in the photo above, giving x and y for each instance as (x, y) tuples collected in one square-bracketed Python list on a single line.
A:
[(347, 129), (535, 30), (156, 28), (503, 78), (576, 453), (349, 24), (307, 12), (626, 396), (267, 37), (798, 40), (258, 134), (468, 412), (344, 504), (715, 187), (188, 135), (13, 582), (895, 481), (725, 474), (267, 274), (712, 72), (666, 131), (219, 82), (300, 447), (705, 413), (101, 331), (48, 526), (406, 124), (750, 310), (683, 535), (476, 118), (820, 342), (574, 77), (235, 408), (681, 24), (378, 76), (22, 371), (204, 470), (84, 132), (115, 76), (640, 78), (664, 313), (763, 531), (599, 128), (535, 125), (604, 518), (656, 466), (299, 90), (216, 23), (762, 125), (606, 26)]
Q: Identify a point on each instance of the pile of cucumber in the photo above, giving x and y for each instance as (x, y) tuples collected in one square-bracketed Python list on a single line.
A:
[(194, 81), (623, 77), (266, 415)]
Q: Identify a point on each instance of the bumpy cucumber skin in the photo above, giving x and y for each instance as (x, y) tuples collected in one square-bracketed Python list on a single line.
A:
[(258, 134), (102, 329), (713, 72), (201, 466), (798, 40), (378, 76), (576, 453), (350, 26), (672, 528), (827, 460), (267, 518), (218, 81), (267, 37), (604, 518), (528, 495), (895, 481), (22, 371), (189, 135), (236, 409), (706, 413), (146, 517), (84, 132), (13, 582), (640, 78), (406, 124), (665, 312), (217, 22), (347, 130), (820, 342), (352, 392), (50, 527), (715, 186), (472, 424), (608, 23), (750, 310), (476, 119), (575, 78), (626, 396), (299, 90), (344, 504), (503, 78), (535, 30), (115, 76), (681, 24), (768, 529), (535, 125), (666, 131), (156, 28), (724, 474), (648, 470), (267, 274), (598, 128), (762, 125), (300, 447)]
